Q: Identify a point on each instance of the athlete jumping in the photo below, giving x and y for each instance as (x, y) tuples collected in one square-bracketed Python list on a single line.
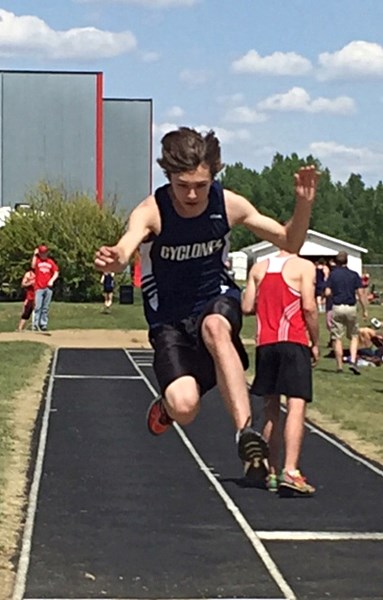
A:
[(191, 305)]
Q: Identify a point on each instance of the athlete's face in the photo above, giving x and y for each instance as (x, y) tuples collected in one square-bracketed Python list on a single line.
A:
[(191, 190)]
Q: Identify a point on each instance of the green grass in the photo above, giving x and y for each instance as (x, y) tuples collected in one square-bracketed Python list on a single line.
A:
[(64, 315), (18, 360), (353, 402)]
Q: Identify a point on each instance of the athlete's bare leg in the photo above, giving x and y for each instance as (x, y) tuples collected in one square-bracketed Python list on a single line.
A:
[(271, 431), (353, 348), (182, 400), (294, 432), (338, 350), (231, 381)]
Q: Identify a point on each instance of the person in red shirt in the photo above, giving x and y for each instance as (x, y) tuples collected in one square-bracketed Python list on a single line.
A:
[(281, 293), (28, 284), (46, 273)]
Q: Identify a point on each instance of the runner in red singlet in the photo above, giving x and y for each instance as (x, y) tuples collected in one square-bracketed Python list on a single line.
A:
[(281, 293)]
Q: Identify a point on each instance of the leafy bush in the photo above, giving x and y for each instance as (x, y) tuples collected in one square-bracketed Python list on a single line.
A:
[(73, 226)]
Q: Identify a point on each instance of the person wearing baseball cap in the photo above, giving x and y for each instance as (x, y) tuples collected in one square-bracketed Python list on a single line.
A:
[(46, 273)]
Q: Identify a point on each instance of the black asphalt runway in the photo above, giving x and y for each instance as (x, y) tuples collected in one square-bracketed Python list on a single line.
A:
[(116, 513)]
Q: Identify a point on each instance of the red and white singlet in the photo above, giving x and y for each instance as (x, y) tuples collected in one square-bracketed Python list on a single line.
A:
[(279, 309)]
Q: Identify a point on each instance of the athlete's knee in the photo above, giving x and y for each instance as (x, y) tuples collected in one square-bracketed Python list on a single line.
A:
[(216, 330), (182, 401)]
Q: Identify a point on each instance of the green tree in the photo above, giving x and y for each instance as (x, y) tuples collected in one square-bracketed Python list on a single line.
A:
[(72, 226)]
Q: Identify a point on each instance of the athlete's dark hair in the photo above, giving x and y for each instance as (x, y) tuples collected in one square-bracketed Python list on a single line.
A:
[(185, 149)]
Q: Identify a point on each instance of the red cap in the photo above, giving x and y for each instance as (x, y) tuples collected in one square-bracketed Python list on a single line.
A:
[(43, 249)]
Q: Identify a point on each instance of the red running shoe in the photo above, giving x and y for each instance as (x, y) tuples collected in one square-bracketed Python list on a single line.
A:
[(157, 419)]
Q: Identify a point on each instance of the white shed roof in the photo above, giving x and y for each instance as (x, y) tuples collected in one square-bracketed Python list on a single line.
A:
[(316, 243)]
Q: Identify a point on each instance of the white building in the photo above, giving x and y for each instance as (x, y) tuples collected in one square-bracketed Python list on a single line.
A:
[(5, 211), (317, 245), (238, 264)]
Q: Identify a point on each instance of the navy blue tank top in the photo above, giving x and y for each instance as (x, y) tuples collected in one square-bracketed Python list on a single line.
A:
[(108, 281), (183, 267)]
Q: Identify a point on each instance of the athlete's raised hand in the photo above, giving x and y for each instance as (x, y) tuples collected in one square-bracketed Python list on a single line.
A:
[(305, 182), (110, 258)]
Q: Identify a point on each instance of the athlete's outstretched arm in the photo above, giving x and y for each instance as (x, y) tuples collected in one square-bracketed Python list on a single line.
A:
[(142, 221), (290, 236)]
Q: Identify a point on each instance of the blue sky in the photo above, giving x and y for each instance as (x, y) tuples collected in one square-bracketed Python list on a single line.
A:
[(267, 75)]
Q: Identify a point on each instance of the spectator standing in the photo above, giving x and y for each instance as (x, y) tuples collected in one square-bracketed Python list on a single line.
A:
[(28, 285), (322, 272), (345, 287), (46, 273), (280, 292), (329, 306), (107, 281)]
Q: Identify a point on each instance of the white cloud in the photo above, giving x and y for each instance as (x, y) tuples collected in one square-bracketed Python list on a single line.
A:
[(229, 136), (160, 129), (325, 149), (244, 114), (193, 77), (148, 3), (175, 112), (278, 63), (29, 35), (298, 100), (358, 59), (343, 160), (225, 135)]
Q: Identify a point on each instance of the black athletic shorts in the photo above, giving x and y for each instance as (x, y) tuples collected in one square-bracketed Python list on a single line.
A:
[(283, 368), (179, 349), (28, 307)]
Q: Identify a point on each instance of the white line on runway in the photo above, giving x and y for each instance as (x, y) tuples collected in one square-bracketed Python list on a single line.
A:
[(232, 507), (308, 536)]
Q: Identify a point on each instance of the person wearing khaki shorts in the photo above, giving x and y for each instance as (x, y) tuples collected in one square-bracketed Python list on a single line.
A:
[(345, 287)]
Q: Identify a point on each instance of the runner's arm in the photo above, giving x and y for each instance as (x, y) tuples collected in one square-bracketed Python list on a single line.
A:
[(309, 305), (53, 278), (26, 280), (362, 301), (249, 295), (142, 221)]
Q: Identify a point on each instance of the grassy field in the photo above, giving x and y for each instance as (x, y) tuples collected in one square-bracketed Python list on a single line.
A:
[(80, 316), (18, 360)]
